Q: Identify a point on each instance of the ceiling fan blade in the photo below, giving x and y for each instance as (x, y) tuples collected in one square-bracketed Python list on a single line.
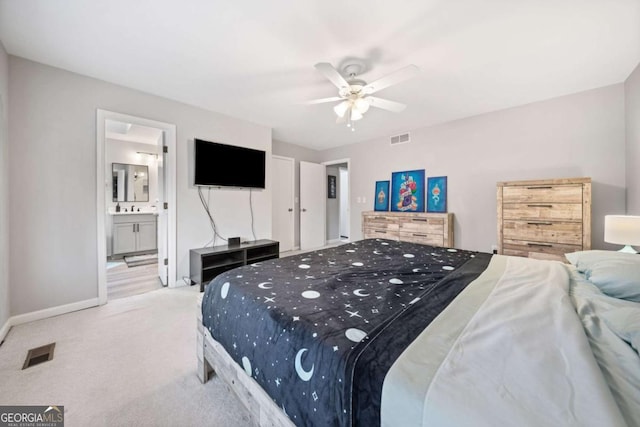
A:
[(391, 79), (332, 74), (322, 100), (385, 104)]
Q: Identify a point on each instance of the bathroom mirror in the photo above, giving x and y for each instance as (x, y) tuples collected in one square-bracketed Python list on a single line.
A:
[(130, 183)]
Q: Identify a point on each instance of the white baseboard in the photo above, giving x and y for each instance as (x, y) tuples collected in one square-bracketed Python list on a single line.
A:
[(332, 241), (5, 329), (53, 311)]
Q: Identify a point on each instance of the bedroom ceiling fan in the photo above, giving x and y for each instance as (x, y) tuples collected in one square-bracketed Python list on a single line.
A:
[(355, 94)]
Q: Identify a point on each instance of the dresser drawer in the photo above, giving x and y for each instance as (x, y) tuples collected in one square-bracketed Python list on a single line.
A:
[(372, 233), (422, 238), (423, 225), (542, 194), (538, 211), (538, 250), (544, 231), (381, 222)]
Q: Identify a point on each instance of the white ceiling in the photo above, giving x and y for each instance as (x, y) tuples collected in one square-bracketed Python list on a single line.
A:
[(254, 59)]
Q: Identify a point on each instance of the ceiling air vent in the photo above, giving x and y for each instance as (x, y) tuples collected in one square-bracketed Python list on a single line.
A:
[(400, 139)]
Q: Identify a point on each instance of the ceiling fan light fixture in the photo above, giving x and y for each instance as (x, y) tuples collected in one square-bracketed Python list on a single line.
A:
[(355, 114), (361, 105), (341, 108)]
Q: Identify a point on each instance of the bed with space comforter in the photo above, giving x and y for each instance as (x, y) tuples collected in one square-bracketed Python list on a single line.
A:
[(380, 332)]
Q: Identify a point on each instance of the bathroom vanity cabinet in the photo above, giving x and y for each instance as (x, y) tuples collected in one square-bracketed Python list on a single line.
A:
[(134, 233)]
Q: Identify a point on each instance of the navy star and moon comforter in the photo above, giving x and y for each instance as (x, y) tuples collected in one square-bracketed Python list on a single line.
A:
[(320, 330)]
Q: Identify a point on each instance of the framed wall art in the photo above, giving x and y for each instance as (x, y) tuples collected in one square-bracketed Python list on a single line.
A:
[(331, 186), (437, 194), (407, 191), (381, 196)]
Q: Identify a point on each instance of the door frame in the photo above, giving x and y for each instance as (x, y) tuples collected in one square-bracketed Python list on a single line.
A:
[(339, 162), (293, 196), (170, 193)]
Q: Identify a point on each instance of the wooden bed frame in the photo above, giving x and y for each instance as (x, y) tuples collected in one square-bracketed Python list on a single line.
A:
[(214, 359)]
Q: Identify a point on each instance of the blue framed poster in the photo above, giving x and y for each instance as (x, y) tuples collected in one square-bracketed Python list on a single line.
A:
[(382, 196), (407, 191), (437, 194)]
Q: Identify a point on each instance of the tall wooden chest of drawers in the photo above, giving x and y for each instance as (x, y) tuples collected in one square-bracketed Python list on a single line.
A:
[(425, 228), (545, 218)]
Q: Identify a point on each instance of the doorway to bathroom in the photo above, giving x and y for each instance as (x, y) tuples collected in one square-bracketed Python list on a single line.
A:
[(136, 198), (338, 210)]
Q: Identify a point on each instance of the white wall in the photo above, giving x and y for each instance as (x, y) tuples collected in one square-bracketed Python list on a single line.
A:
[(632, 112), (299, 154), (4, 190), (53, 227), (579, 135)]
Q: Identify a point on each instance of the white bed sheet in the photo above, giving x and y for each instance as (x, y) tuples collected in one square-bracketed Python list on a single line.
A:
[(618, 361), (521, 359)]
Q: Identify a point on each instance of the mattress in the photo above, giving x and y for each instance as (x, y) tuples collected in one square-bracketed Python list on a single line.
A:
[(389, 333), (319, 331)]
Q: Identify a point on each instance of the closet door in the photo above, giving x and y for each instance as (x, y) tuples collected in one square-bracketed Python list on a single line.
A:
[(313, 209), (283, 215)]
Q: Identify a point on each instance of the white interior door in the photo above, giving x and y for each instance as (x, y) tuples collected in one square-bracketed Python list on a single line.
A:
[(283, 203), (163, 222), (313, 214), (344, 202)]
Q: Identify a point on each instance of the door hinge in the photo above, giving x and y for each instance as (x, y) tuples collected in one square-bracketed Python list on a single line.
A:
[(166, 261), (165, 149), (165, 205)]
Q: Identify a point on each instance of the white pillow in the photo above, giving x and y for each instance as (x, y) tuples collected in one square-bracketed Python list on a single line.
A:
[(625, 323), (617, 274)]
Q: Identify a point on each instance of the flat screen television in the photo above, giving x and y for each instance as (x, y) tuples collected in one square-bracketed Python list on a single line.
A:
[(228, 165)]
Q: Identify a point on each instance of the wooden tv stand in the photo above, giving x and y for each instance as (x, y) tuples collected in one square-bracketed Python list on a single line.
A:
[(207, 263)]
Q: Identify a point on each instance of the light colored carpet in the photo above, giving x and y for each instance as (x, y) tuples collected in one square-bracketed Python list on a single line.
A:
[(131, 362)]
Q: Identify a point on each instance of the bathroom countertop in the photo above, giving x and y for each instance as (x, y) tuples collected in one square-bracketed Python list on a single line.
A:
[(133, 213)]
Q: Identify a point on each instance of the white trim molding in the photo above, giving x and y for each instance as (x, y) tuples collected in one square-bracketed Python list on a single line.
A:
[(5, 329), (45, 314), (170, 169)]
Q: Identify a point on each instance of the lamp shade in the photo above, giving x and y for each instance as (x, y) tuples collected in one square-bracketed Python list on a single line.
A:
[(622, 229), (341, 108)]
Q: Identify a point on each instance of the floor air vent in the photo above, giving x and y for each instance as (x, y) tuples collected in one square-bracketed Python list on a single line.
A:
[(39, 355), (400, 139)]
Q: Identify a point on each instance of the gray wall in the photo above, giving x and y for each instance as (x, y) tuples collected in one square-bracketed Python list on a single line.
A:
[(299, 154), (53, 197), (632, 111), (579, 135), (4, 188), (333, 207)]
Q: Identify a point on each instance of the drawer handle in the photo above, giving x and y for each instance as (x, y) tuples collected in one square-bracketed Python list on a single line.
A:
[(539, 206), (419, 219), (379, 217), (378, 231), (419, 235), (540, 188), (544, 245), (540, 223)]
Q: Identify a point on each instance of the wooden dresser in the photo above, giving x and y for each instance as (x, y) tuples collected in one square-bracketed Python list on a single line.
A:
[(544, 218), (426, 228)]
